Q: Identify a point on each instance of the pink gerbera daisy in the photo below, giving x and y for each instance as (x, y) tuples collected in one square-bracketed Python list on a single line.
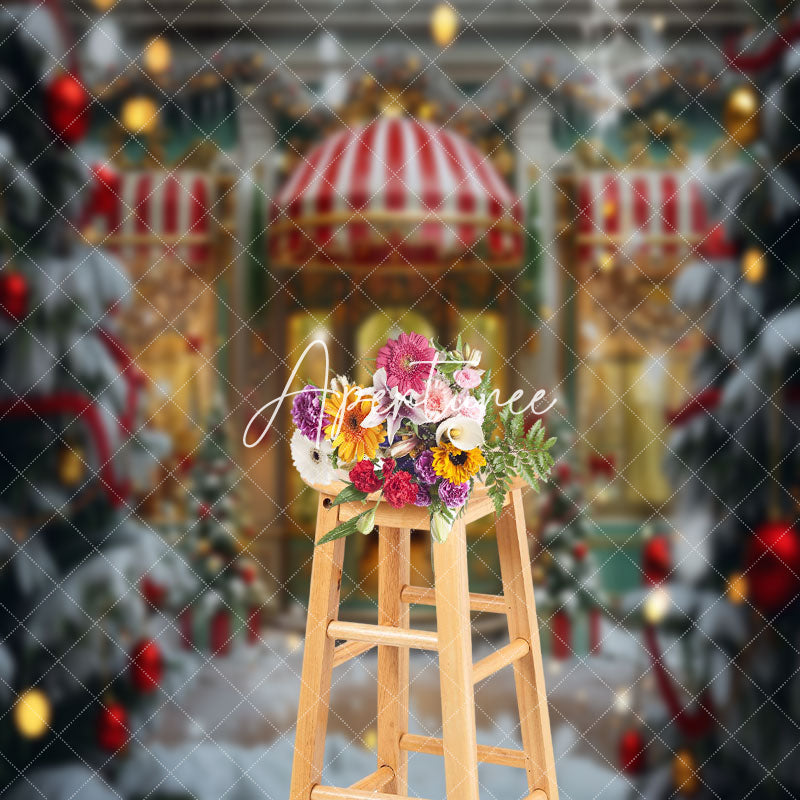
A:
[(404, 360)]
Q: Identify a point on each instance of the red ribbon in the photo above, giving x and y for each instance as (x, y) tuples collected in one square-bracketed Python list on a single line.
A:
[(753, 62), (694, 724), (131, 374), (706, 400), (78, 405)]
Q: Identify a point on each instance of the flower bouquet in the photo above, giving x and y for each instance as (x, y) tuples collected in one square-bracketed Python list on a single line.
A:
[(424, 433)]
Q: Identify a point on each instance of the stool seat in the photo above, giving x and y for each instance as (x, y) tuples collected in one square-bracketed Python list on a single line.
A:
[(452, 640), (479, 505)]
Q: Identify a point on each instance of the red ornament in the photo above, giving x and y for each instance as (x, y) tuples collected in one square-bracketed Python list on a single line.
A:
[(580, 550), (773, 560), (562, 635), (203, 510), (105, 190), (248, 572), (563, 471), (632, 752), (113, 730), (716, 245), (194, 343), (656, 560), (595, 630), (14, 294), (253, 625), (153, 592), (68, 108), (147, 666), (221, 632)]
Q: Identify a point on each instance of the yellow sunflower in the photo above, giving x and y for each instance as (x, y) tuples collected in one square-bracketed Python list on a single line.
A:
[(454, 465), (345, 431)]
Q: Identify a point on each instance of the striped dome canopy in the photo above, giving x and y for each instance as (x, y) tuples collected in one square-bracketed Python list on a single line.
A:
[(398, 191)]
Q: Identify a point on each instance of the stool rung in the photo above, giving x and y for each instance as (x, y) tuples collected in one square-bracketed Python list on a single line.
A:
[(348, 650), (430, 745), (332, 793), (494, 662), (383, 635), (489, 603), (376, 781), (537, 794)]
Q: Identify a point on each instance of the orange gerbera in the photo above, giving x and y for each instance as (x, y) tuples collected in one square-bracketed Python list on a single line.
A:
[(347, 410)]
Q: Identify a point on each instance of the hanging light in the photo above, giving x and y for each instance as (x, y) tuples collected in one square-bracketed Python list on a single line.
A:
[(104, 5), (157, 56), (32, 713), (657, 605), (444, 24), (139, 114)]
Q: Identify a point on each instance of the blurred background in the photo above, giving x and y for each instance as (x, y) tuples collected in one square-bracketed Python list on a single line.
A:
[(600, 195)]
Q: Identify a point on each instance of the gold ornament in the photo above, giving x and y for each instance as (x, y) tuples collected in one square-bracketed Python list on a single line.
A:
[(660, 122), (71, 466), (684, 772), (754, 265), (139, 115), (32, 713), (444, 24), (503, 161), (606, 261), (742, 116), (157, 56), (737, 588)]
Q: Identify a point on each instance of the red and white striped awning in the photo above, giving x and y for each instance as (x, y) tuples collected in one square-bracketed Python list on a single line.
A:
[(643, 212), (151, 210), (395, 190)]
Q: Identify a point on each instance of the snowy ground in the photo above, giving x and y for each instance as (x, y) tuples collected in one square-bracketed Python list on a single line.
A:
[(229, 734)]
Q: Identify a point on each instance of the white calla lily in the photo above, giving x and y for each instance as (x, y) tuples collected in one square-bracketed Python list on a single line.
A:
[(463, 432)]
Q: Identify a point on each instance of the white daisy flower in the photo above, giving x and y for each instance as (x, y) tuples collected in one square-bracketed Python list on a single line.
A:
[(312, 462)]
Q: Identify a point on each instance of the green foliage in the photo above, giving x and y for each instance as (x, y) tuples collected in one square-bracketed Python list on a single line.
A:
[(510, 451), (348, 495), (345, 528)]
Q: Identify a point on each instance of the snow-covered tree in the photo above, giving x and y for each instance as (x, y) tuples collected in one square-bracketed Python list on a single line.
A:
[(723, 639), (79, 671), (213, 544)]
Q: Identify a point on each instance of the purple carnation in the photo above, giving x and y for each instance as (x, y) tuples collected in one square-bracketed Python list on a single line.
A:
[(423, 466), (307, 410), (454, 495), (423, 496)]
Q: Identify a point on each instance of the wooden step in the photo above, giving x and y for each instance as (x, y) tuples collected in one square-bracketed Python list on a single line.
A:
[(383, 635), (333, 793), (494, 662), (488, 603), (376, 781), (504, 756), (348, 650)]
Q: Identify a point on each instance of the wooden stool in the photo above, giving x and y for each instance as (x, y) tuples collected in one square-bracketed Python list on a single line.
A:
[(453, 641)]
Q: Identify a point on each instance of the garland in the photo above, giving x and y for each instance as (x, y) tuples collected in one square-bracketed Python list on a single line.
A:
[(753, 62), (78, 405), (691, 724), (131, 374)]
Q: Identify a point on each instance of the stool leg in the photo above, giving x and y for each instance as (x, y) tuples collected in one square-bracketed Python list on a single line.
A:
[(394, 572), (315, 685), (515, 567), (455, 665)]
